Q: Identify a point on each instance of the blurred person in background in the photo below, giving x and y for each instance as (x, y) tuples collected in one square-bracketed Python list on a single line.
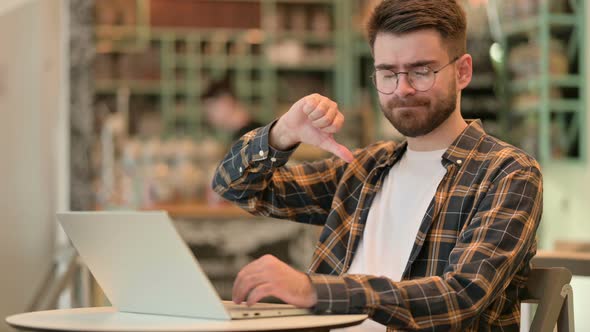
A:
[(224, 112)]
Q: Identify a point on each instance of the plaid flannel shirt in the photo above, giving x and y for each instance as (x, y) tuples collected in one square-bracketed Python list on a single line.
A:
[(470, 260)]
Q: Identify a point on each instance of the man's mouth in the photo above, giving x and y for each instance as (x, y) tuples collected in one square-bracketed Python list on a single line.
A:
[(408, 107)]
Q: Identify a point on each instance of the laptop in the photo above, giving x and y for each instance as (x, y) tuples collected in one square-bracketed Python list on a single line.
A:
[(143, 266)]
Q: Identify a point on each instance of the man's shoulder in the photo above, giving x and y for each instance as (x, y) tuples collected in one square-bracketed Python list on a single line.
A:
[(502, 155)]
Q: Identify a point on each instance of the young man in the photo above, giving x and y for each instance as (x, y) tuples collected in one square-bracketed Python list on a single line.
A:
[(434, 234)]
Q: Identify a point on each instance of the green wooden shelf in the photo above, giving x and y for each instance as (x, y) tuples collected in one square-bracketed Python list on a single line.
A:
[(327, 2), (554, 106), (211, 62), (308, 66), (547, 112), (536, 22), (566, 81), (305, 37), (185, 70), (135, 86), (482, 81)]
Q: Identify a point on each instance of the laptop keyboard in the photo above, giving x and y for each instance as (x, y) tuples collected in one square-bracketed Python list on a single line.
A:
[(258, 306)]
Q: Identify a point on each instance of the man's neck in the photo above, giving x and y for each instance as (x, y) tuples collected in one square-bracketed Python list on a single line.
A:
[(441, 137)]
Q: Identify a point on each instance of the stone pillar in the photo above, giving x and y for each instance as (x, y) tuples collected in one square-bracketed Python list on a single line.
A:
[(81, 26)]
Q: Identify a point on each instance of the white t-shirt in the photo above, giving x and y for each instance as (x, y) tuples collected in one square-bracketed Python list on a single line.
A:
[(394, 219)]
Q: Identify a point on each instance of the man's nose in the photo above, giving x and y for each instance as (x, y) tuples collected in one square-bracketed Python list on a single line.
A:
[(404, 88)]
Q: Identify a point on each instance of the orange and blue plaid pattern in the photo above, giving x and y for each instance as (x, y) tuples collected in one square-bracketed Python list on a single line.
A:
[(470, 261)]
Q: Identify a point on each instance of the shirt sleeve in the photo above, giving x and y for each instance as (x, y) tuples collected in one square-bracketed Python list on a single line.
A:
[(255, 176), (490, 250)]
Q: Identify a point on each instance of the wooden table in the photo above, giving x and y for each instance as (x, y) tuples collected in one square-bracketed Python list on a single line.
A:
[(108, 319)]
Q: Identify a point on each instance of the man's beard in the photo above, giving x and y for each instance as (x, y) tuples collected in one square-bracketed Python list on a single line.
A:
[(415, 123)]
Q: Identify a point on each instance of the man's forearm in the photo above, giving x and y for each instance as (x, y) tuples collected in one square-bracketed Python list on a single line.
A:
[(254, 175)]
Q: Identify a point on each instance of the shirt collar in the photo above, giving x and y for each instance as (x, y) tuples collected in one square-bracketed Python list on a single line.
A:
[(457, 152), (467, 141)]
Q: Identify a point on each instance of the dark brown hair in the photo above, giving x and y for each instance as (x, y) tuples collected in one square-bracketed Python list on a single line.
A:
[(403, 16), (219, 88)]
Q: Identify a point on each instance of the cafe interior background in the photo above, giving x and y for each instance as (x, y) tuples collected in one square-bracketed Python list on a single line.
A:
[(102, 108)]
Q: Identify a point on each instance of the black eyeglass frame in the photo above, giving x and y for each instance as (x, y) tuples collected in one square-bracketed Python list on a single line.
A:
[(374, 78)]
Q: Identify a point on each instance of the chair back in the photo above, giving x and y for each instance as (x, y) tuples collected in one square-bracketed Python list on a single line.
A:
[(550, 288)]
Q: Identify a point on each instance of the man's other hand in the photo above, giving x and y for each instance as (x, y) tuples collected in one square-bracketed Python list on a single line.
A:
[(268, 276)]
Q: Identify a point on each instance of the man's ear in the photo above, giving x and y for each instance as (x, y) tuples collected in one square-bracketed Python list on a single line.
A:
[(464, 71)]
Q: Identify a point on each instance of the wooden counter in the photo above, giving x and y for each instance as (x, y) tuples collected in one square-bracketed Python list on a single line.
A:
[(577, 262), (199, 210)]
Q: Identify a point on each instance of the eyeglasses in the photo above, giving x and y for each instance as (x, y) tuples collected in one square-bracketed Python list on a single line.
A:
[(421, 78)]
